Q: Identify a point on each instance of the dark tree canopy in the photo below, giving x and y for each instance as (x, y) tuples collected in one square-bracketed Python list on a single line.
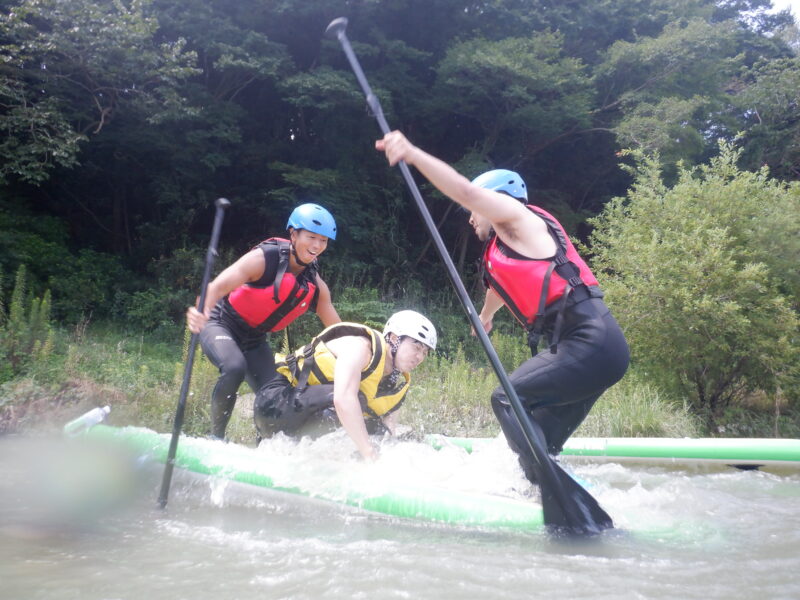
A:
[(123, 121)]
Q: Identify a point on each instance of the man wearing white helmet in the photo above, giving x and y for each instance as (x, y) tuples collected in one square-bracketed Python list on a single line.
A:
[(360, 373)]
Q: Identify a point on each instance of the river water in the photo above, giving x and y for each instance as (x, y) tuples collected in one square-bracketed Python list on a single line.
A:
[(83, 524)]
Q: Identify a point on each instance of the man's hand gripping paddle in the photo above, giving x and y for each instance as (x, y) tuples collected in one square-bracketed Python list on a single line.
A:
[(568, 507)]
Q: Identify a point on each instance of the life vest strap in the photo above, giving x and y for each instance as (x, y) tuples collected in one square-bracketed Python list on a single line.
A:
[(309, 350), (283, 264), (304, 371), (535, 332), (562, 305), (276, 257), (294, 298)]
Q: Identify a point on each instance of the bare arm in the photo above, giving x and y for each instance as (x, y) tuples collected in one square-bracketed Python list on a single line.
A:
[(496, 207), (491, 304), (325, 310), (517, 226), (248, 268), (352, 355)]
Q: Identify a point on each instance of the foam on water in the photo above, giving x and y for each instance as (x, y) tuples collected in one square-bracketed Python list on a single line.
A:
[(690, 533), (330, 462)]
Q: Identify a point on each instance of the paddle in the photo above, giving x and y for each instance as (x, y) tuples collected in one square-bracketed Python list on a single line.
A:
[(221, 205), (567, 506)]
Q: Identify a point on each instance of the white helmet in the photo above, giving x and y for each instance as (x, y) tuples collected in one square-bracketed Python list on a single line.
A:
[(412, 324)]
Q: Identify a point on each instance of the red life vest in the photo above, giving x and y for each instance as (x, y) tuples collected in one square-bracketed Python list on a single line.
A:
[(278, 297), (528, 285)]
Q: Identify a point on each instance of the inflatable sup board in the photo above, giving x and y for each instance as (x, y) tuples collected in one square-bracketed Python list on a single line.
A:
[(744, 453), (247, 465)]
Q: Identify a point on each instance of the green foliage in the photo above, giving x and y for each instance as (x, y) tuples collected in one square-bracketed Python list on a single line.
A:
[(512, 350), (694, 55), (522, 90), (86, 283), (26, 334), (36, 137), (322, 89), (166, 105), (38, 241), (162, 305), (665, 128), (667, 89), (747, 421), (363, 306), (68, 67), (698, 276)]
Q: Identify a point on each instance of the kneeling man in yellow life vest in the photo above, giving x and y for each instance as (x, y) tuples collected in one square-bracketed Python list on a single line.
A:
[(358, 372)]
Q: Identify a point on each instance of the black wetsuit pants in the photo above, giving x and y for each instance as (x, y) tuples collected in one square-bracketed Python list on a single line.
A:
[(236, 362), (558, 390), (280, 407)]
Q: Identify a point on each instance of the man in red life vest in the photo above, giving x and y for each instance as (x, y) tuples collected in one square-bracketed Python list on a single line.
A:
[(263, 291), (530, 265)]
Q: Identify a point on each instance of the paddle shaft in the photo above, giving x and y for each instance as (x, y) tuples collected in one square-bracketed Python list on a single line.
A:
[(221, 204), (551, 479)]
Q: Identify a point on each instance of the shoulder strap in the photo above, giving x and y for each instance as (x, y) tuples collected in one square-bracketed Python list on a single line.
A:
[(565, 268), (276, 261), (333, 332), (283, 263)]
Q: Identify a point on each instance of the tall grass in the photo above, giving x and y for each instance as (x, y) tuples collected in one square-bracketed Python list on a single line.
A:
[(635, 408), (450, 397)]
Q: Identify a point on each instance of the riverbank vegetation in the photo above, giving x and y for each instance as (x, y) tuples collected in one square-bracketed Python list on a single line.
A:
[(94, 365)]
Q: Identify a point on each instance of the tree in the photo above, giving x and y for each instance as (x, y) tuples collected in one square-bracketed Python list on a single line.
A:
[(699, 277), (68, 67), (770, 104), (125, 119), (525, 92), (663, 90)]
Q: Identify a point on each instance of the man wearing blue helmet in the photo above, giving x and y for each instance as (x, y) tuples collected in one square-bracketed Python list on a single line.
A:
[(263, 291), (531, 266)]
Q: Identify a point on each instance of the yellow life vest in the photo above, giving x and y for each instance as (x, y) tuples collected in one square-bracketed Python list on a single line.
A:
[(379, 402)]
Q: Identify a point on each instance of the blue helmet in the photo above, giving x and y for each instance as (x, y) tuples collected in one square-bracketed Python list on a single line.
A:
[(503, 180), (314, 218)]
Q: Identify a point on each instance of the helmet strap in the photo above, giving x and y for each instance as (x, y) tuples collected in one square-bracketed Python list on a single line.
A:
[(394, 345), (297, 258)]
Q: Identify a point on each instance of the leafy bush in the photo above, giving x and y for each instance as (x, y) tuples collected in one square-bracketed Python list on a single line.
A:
[(159, 305), (703, 279), (85, 284)]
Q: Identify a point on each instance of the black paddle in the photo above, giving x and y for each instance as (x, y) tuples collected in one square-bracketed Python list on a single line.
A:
[(221, 205), (567, 506)]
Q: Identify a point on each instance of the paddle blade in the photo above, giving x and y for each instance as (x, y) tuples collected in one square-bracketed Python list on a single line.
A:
[(579, 515)]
